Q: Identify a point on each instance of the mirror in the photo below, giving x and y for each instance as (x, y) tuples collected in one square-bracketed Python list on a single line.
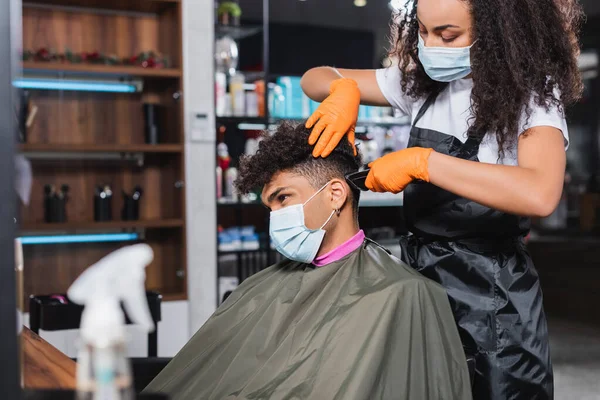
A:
[(10, 25)]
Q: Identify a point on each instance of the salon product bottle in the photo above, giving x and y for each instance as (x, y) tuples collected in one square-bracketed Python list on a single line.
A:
[(103, 369), (276, 101), (219, 182), (238, 96), (152, 120), (228, 110), (286, 87), (220, 91), (251, 104), (230, 177), (259, 88), (223, 158)]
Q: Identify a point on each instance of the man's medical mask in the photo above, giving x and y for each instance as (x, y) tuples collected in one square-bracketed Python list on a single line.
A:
[(445, 64), (290, 235)]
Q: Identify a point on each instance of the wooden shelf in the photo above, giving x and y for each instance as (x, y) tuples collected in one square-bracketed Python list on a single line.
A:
[(144, 6), (78, 133), (173, 296), (100, 148), (99, 226), (99, 69)]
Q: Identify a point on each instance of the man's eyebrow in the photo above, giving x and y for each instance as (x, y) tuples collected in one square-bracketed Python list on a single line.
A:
[(441, 27), (275, 193)]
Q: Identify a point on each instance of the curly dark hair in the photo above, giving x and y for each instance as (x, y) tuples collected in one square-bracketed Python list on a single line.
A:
[(524, 50), (288, 150)]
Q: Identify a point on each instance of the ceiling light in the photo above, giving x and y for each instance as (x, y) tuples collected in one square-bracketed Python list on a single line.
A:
[(397, 5), (360, 3)]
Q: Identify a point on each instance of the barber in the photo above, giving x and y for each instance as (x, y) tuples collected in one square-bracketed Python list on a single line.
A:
[(485, 84)]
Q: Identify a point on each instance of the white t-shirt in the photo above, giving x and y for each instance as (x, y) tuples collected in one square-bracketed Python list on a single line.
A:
[(450, 114)]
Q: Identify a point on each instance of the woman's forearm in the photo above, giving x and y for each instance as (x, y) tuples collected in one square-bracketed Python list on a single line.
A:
[(512, 189), (316, 82)]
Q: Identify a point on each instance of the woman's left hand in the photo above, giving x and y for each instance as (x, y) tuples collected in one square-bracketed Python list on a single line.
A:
[(394, 171)]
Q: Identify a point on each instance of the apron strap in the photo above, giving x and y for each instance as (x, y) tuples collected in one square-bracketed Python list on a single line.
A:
[(428, 103), (471, 145)]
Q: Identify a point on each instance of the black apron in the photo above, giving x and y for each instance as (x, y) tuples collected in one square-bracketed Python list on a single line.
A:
[(479, 256)]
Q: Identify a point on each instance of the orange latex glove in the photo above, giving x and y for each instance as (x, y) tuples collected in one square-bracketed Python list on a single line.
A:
[(336, 117), (394, 171)]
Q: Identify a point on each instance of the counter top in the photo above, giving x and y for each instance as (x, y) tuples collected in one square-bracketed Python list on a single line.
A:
[(45, 367)]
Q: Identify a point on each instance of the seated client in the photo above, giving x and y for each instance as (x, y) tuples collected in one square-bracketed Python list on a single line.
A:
[(339, 318)]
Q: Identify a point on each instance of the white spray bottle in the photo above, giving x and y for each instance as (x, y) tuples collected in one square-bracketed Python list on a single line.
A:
[(103, 370)]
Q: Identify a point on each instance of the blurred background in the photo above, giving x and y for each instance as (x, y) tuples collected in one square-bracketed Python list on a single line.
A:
[(132, 116)]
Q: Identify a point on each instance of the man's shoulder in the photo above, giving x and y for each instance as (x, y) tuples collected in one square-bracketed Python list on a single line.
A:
[(400, 276)]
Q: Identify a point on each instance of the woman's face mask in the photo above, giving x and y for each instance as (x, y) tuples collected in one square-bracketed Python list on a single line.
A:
[(445, 64), (446, 26), (290, 235)]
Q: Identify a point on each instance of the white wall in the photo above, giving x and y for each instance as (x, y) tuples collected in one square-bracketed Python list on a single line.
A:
[(173, 333), (198, 33)]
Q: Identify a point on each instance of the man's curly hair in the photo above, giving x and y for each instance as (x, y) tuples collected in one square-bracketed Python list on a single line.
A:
[(524, 49), (288, 150)]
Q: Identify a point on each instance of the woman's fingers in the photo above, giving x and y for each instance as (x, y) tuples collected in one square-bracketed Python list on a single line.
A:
[(332, 143), (372, 184), (352, 139), (325, 142), (316, 132), (313, 118)]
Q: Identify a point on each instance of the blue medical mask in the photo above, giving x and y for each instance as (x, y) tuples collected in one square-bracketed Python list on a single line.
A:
[(445, 64), (290, 235)]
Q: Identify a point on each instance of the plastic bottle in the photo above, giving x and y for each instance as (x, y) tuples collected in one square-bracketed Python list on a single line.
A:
[(219, 182), (220, 91), (238, 94), (103, 370), (251, 104), (230, 176), (260, 94)]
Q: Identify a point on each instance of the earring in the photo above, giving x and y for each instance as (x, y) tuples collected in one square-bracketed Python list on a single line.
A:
[(338, 212)]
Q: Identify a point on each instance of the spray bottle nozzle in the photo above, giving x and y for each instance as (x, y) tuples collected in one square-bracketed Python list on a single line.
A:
[(119, 276)]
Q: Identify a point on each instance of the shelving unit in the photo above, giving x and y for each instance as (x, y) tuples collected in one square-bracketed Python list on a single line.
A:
[(142, 6), (100, 148), (101, 226), (100, 69), (79, 137), (234, 131)]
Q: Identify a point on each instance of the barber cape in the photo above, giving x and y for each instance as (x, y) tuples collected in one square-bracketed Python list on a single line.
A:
[(364, 327)]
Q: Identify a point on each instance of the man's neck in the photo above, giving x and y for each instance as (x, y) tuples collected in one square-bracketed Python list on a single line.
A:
[(345, 230)]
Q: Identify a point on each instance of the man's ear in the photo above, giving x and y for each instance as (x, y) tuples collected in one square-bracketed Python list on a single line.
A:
[(339, 194)]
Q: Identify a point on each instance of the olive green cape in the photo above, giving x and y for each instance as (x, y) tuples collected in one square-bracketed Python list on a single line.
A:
[(364, 327)]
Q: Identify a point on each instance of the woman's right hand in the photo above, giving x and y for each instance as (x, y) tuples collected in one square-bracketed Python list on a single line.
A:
[(335, 117)]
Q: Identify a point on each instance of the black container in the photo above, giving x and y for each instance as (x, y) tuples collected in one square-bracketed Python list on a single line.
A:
[(55, 209), (152, 121), (55, 203), (131, 205), (102, 208), (131, 209)]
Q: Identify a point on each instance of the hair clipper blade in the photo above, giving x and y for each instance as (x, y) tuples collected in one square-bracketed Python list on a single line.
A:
[(356, 180)]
